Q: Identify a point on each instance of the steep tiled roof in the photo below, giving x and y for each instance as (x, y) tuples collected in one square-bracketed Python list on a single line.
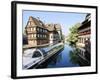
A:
[(86, 22), (58, 26), (52, 27), (35, 22)]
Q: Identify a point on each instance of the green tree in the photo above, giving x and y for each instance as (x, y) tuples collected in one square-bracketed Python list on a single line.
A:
[(73, 35)]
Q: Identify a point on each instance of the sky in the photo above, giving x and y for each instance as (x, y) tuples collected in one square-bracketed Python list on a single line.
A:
[(65, 19)]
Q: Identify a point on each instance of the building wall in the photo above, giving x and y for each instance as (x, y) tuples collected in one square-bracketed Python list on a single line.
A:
[(84, 31), (32, 42), (39, 34), (36, 32), (82, 39), (51, 38)]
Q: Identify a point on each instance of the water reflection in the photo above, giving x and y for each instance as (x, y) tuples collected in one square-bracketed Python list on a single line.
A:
[(52, 62), (77, 58), (74, 56), (67, 57)]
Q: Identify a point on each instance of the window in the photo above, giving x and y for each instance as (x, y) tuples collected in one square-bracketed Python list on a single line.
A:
[(45, 30), (42, 30), (45, 36), (34, 28), (38, 29), (31, 29), (41, 35), (38, 35), (28, 36), (32, 35), (51, 36)]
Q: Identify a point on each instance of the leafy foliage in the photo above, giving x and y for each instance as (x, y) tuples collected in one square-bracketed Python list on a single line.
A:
[(73, 35)]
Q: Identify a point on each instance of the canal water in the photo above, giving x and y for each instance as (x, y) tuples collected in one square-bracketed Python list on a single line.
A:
[(65, 58)]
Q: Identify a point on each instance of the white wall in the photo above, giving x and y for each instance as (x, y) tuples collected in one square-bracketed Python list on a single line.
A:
[(51, 38), (5, 40)]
